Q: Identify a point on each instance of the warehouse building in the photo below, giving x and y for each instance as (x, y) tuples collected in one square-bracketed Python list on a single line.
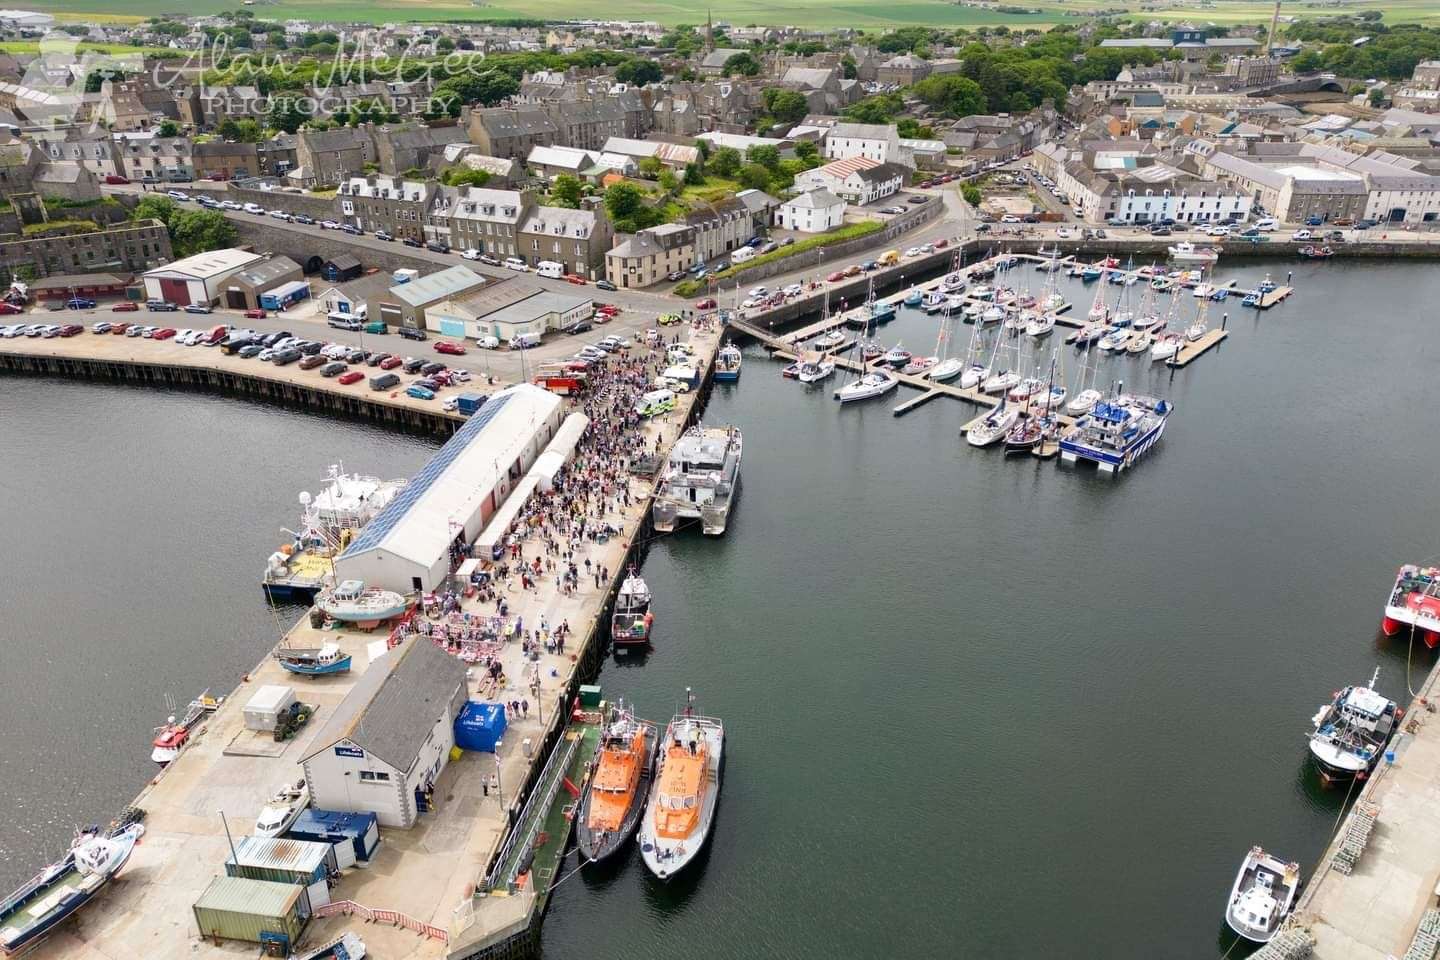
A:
[(243, 290), (404, 304), (412, 544), (202, 278), (385, 745), (507, 310)]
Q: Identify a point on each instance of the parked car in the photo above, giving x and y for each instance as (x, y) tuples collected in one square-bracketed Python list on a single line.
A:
[(412, 333), (334, 368), (351, 376), (411, 242), (488, 260), (126, 307), (280, 215), (160, 306), (575, 278), (1314, 221), (113, 178), (79, 303), (375, 359), (915, 199), (438, 246), (329, 225), (198, 308), (304, 218), (448, 347), (604, 285), (1302, 235), (164, 333), (412, 364), (101, 327), (835, 277), (382, 235), (419, 392), (71, 329), (351, 229), (390, 363), (708, 303), (254, 208), (285, 356), (149, 332), (313, 361), (356, 355), (252, 350), (488, 342), (255, 314)]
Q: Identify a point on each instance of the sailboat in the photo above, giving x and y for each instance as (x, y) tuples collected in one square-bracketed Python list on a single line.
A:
[(1049, 400), (1003, 381), (1201, 324), (1167, 341), (1084, 401), (945, 368), (975, 371), (1098, 311), (995, 425), (1148, 313), (873, 384)]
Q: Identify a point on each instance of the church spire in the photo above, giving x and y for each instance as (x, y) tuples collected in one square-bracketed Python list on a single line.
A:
[(709, 32)]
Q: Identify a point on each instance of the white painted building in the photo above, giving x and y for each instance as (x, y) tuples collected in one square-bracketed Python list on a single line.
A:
[(408, 546), (859, 180), (815, 211), (197, 279), (383, 748), (873, 141)]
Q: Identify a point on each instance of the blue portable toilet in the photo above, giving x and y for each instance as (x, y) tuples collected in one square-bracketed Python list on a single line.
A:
[(479, 726)]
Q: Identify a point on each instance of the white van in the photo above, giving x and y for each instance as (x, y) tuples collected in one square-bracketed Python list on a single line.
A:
[(655, 402), (1268, 224), (344, 321), (549, 268), (515, 263), (254, 208), (525, 341)]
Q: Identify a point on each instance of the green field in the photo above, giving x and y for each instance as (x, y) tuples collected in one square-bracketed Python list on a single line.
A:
[(806, 13)]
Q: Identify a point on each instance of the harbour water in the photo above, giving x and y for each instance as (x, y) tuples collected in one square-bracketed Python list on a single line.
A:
[(979, 706)]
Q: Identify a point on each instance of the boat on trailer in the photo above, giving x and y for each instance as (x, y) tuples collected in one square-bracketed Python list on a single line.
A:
[(314, 662)]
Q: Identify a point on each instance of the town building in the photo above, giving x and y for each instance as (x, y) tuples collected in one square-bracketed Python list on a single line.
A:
[(243, 290), (157, 158), (859, 180), (903, 71), (815, 211), (404, 305), (329, 156), (384, 746), (222, 160), (202, 278), (509, 132), (479, 218), (577, 239), (124, 248), (413, 543), (872, 141), (398, 207), (650, 255), (508, 309)]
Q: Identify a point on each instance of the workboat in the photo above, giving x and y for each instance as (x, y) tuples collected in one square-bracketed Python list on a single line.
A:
[(681, 810), (615, 799), (813, 371), (351, 602), (1415, 603), (881, 312), (632, 618), (329, 520), (62, 888), (283, 809), (914, 298), (1263, 894), (946, 370), (312, 662), (993, 427), (171, 737), (1187, 252), (700, 480), (869, 351), (897, 356), (1267, 285), (727, 364), (1116, 433), (829, 341), (1351, 731), (871, 385)]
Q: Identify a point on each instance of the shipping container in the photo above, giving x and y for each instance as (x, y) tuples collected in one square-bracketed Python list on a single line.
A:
[(468, 403), (281, 860), (479, 726), (260, 911), (353, 835), (264, 709)]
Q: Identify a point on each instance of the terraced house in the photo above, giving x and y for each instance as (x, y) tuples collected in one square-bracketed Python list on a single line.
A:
[(398, 207), (578, 239), (477, 218)]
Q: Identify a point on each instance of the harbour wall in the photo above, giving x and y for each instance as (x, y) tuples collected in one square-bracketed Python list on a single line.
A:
[(310, 246)]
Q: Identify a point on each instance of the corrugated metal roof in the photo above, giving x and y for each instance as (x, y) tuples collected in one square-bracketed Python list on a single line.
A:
[(262, 898), (279, 853), (437, 286)]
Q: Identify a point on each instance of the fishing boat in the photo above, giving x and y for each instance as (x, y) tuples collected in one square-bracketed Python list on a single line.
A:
[(1351, 731), (897, 356), (1040, 325), (1092, 272), (283, 809), (993, 427), (1267, 285), (934, 301), (63, 887), (329, 520), (700, 480), (870, 385), (1262, 895), (813, 371), (171, 737), (1415, 603), (352, 602), (312, 662), (615, 797), (1116, 432), (681, 809), (727, 364), (870, 351), (632, 618), (914, 298), (829, 341), (1187, 252)]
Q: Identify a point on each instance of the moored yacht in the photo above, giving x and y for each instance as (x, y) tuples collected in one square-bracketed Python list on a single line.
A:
[(947, 370), (829, 341), (700, 480), (873, 384), (813, 371), (996, 424), (681, 811), (727, 364)]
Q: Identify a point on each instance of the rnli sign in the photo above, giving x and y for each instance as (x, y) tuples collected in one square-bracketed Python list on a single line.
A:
[(350, 752)]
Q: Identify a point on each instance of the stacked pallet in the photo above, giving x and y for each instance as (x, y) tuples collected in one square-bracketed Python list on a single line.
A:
[(1357, 835), (1288, 944), (1427, 937)]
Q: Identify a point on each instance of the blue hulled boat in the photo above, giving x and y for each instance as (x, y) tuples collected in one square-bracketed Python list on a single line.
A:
[(314, 663)]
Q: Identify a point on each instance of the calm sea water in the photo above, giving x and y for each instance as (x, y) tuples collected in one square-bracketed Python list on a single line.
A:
[(975, 706)]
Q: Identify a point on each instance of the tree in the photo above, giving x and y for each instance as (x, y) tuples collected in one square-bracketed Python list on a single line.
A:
[(169, 128), (848, 69), (741, 63), (464, 177), (877, 109), (971, 193), (198, 231), (808, 153), (668, 181), (639, 72), (565, 191), (786, 106), (1377, 97), (285, 114), (951, 94), (725, 163), (623, 201), (444, 45), (649, 167), (754, 177), (764, 154), (155, 207)]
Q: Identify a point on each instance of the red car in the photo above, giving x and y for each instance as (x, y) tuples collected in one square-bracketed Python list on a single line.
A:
[(354, 376), (115, 178), (940, 244), (7, 307), (575, 278), (71, 329), (119, 328), (707, 304), (608, 308), (441, 377), (164, 333), (255, 314), (836, 277), (126, 307), (390, 363), (446, 346)]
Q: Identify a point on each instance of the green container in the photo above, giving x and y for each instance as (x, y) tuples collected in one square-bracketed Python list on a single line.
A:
[(235, 908), (590, 695)]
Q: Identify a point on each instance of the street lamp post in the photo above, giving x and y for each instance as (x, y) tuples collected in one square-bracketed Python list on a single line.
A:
[(499, 790)]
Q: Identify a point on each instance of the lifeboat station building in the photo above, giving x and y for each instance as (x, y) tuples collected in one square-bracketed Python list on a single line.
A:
[(414, 543), (385, 745)]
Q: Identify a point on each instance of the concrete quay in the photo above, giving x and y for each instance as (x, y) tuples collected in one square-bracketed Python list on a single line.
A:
[(423, 881), (1374, 911)]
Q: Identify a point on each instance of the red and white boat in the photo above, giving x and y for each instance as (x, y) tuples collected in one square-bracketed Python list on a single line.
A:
[(1415, 603)]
